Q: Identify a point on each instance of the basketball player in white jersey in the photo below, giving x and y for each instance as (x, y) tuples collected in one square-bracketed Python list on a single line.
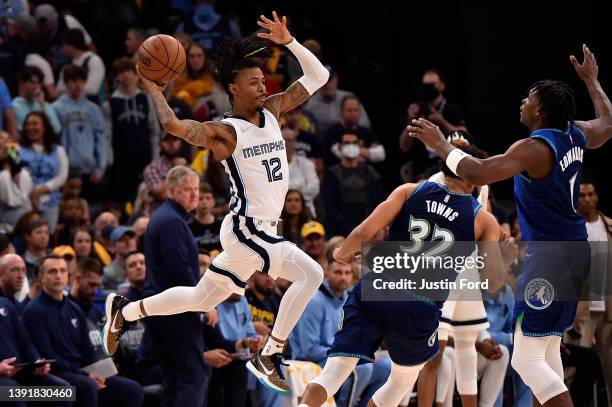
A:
[(252, 150)]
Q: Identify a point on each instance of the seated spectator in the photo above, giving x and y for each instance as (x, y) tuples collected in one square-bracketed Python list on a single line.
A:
[(196, 81), (314, 333), (134, 37), (86, 282), (136, 132), (12, 278), (32, 98), (8, 119), (135, 274), (71, 216), (47, 163), (313, 241), (58, 328), (350, 190), (204, 259), (84, 245), (205, 226), (16, 347), (325, 105), (294, 215), (105, 221), (37, 244), (350, 111), (84, 132), (123, 241), (155, 173), (15, 185), (74, 46), (302, 174), (69, 255), (306, 145), (18, 237), (448, 116)]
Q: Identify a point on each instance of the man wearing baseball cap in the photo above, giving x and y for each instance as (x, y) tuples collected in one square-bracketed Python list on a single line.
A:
[(314, 240), (123, 241)]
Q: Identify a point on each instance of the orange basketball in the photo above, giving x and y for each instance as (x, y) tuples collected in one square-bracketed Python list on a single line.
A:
[(161, 58)]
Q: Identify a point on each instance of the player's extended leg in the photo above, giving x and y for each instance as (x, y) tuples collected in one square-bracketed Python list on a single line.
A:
[(337, 369), (537, 359), (202, 298), (466, 357)]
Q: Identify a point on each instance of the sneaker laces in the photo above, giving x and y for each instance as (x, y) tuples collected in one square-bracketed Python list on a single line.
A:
[(277, 359)]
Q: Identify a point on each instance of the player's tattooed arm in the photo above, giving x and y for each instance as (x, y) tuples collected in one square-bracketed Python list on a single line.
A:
[(295, 95), (217, 136)]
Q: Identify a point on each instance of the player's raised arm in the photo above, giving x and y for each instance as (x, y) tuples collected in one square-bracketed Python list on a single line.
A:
[(381, 217), (599, 130), (315, 74), (219, 137), (498, 251)]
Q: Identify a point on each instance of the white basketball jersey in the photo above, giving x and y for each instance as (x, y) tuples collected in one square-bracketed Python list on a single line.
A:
[(258, 168)]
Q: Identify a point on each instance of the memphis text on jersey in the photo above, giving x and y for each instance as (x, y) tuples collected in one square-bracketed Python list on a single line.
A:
[(574, 154), (261, 149)]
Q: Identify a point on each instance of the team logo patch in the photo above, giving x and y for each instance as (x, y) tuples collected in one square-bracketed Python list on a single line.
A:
[(539, 294), (432, 338), (3, 312), (75, 322)]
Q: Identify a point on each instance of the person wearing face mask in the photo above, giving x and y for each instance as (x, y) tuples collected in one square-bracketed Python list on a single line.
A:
[(448, 116), (351, 189)]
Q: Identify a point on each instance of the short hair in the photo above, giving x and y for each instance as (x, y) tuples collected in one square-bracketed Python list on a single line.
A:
[(88, 264), (124, 64), (206, 188), (74, 72), (41, 262), (35, 224), (177, 174), (130, 254), (349, 132), (557, 102), (470, 149), (27, 72), (435, 71), (75, 38), (347, 98)]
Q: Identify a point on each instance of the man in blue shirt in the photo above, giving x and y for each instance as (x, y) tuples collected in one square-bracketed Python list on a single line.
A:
[(58, 328), (87, 281)]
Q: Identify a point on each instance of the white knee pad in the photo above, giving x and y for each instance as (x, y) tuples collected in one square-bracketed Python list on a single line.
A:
[(337, 369), (400, 379), (529, 359), (467, 362)]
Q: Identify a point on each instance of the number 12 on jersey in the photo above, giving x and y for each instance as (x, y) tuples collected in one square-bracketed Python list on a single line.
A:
[(273, 167)]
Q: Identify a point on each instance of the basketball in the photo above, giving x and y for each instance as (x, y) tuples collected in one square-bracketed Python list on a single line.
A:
[(161, 58)]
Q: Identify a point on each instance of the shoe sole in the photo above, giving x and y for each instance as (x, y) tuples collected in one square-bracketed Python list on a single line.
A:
[(108, 309), (263, 379)]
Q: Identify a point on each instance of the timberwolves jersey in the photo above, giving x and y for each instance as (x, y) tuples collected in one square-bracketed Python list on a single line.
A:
[(547, 207), (258, 169)]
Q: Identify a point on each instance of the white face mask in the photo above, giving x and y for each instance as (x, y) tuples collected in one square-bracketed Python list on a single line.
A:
[(350, 151)]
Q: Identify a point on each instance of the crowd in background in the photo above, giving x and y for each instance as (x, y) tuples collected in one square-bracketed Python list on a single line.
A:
[(83, 161)]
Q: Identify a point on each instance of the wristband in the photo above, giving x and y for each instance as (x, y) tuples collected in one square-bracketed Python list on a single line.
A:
[(453, 159)]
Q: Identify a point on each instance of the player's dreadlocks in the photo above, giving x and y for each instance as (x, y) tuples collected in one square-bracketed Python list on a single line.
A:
[(235, 54), (557, 102)]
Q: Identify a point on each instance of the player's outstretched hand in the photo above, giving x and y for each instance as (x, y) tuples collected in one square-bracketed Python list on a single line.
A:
[(588, 70), (427, 132), (508, 248), (278, 31)]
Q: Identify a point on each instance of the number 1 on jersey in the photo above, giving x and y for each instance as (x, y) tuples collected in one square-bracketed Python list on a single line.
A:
[(273, 167)]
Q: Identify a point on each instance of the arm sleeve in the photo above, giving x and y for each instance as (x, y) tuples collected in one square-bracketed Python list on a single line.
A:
[(95, 76), (155, 130), (100, 140), (315, 74), (35, 322), (176, 258), (27, 350), (307, 334), (59, 180), (377, 153)]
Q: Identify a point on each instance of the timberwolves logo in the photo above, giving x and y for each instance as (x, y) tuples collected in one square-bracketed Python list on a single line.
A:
[(539, 294), (432, 339)]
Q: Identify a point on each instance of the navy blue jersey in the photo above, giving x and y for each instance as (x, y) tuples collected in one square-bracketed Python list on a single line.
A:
[(547, 207)]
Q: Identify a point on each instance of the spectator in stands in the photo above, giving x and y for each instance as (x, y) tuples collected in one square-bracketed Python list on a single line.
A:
[(136, 132), (69, 255), (324, 105), (18, 238), (15, 185), (74, 46), (38, 53), (71, 217), (314, 240), (196, 81), (37, 244), (16, 347), (205, 226), (134, 37), (123, 239), (58, 328), (12, 278), (492, 362), (87, 280), (85, 246), (314, 333), (8, 119), (306, 145), (53, 26), (135, 273), (350, 111), (48, 165), (72, 189), (155, 173), (32, 98), (207, 27), (448, 116), (104, 225), (302, 173), (351, 190), (84, 134), (294, 215)]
